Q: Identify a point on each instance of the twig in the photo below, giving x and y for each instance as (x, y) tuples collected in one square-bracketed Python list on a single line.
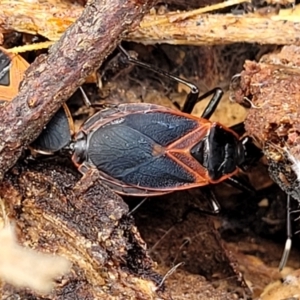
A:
[(213, 29), (53, 79), (178, 28)]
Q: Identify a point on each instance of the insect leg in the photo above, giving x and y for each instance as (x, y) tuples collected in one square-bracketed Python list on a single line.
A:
[(241, 185), (85, 98), (213, 202), (213, 103), (288, 243), (211, 106), (192, 96)]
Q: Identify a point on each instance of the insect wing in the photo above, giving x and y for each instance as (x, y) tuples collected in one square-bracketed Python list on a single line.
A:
[(133, 146)]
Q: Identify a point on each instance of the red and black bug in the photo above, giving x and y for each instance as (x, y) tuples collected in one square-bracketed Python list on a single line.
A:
[(148, 150), (144, 149)]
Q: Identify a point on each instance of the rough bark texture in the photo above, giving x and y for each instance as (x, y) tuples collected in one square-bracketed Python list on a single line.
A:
[(52, 79), (214, 29), (273, 85), (85, 223), (190, 27)]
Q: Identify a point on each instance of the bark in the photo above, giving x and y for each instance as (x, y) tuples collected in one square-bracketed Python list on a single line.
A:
[(191, 27), (85, 223), (216, 29), (273, 86)]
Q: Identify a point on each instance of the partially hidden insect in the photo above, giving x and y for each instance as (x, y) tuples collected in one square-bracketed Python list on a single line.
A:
[(147, 150)]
